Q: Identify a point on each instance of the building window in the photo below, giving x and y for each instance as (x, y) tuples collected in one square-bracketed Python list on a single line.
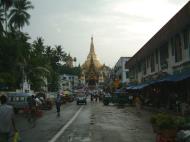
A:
[(136, 73), (156, 56), (186, 38), (164, 56), (125, 64), (139, 67), (127, 74), (144, 68), (178, 49), (173, 46), (147, 62), (152, 64)]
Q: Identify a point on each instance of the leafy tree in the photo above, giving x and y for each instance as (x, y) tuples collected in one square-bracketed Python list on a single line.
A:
[(20, 59), (6, 4), (38, 46), (18, 14), (38, 67), (1, 21), (13, 54)]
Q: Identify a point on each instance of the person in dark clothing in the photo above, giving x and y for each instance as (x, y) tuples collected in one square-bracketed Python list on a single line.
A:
[(91, 97), (7, 123), (31, 102), (32, 110), (58, 104)]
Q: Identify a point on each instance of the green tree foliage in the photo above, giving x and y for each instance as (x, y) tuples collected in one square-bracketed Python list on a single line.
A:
[(13, 52), (1, 21), (37, 63), (18, 15), (37, 68), (67, 70), (6, 4)]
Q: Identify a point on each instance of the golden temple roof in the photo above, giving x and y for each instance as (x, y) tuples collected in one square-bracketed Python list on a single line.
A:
[(92, 56)]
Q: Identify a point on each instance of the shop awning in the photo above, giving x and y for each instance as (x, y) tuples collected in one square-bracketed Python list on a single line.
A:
[(136, 87), (130, 87), (170, 78), (141, 86), (179, 77)]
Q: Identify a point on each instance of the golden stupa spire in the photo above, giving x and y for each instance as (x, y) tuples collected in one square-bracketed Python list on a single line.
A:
[(92, 46), (92, 55)]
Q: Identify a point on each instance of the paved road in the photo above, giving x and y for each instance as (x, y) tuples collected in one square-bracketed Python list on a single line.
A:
[(95, 123)]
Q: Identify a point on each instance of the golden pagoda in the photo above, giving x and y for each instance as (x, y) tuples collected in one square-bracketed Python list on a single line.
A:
[(92, 74), (92, 55)]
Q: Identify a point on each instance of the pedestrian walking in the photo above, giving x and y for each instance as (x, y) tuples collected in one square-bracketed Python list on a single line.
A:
[(58, 104), (7, 123), (138, 104), (91, 98), (96, 97), (131, 99), (32, 110)]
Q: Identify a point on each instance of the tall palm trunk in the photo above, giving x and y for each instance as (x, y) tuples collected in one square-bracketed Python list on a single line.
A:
[(5, 12)]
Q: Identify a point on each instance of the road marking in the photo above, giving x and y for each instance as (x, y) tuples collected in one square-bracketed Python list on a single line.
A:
[(65, 126)]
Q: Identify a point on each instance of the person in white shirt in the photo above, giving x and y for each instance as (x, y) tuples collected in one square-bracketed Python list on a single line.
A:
[(7, 124)]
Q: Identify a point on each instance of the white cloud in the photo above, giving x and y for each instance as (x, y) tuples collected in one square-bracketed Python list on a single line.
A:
[(119, 26)]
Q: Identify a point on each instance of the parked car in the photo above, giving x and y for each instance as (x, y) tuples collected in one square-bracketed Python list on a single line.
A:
[(18, 100), (81, 99)]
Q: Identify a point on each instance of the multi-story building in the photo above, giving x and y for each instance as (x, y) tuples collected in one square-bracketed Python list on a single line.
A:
[(166, 53), (121, 72), (68, 82)]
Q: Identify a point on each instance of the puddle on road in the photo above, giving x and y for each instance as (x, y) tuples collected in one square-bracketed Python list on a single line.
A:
[(120, 107), (79, 139), (91, 123), (92, 119), (108, 112), (132, 129)]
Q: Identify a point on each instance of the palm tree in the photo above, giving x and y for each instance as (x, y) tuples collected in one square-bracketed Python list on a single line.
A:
[(18, 14), (1, 21), (59, 51), (6, 5), (38, 46)]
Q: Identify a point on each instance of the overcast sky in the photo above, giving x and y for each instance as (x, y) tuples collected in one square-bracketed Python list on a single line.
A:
[(120, 27)]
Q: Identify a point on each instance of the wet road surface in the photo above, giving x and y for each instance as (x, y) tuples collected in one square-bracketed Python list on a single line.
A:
[(95, 123)]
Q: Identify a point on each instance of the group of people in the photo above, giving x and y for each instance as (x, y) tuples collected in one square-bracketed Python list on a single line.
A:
[(95, 96), (7, 116)]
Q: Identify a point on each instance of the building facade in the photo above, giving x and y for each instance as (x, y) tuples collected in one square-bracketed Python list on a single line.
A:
[(120, 70), (68, 82), (166, 53)]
